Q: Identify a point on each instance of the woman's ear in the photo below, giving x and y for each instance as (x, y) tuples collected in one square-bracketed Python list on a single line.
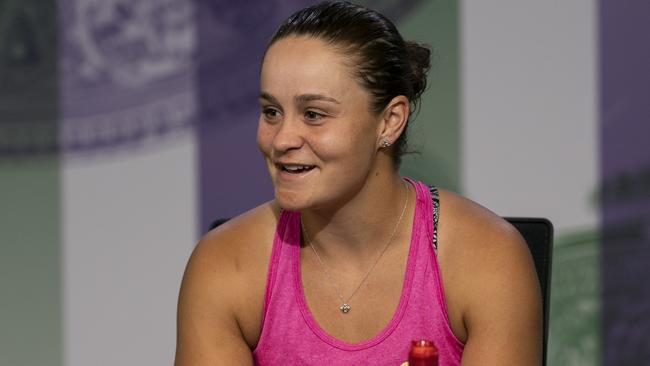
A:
[(393, 122)]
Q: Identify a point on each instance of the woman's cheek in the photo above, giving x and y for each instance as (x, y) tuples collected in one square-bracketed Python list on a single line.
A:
[(334, 145)]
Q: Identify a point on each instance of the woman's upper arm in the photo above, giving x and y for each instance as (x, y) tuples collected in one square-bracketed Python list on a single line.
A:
[(503, 315), (207, 329)]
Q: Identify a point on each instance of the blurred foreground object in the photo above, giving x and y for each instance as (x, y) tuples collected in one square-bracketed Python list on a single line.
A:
[(423, 353)]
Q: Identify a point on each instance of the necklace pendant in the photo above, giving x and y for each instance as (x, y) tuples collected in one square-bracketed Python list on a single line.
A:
[(345, 308)]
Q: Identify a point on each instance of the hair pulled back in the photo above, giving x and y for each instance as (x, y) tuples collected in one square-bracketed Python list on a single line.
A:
[(385, 64)]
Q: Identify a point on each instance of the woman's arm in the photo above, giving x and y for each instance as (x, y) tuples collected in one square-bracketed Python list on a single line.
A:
[(503, 315), (207, 329), (492, 291)]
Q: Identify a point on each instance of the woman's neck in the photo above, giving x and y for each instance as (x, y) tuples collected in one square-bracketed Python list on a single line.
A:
[(363, 225)]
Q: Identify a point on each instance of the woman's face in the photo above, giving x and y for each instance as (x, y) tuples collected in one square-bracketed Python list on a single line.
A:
[(316, 131)]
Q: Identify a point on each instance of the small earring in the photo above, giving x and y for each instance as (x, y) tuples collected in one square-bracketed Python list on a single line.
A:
[(385, 143)]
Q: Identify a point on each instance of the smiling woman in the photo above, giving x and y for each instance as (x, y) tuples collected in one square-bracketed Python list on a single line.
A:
[(315, 114), (351, 262)]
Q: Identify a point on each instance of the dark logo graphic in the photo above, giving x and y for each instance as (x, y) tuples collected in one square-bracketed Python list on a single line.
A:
[(28, 84)]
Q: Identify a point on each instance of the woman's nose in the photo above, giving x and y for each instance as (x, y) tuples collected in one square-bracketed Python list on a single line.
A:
[(289, 135)]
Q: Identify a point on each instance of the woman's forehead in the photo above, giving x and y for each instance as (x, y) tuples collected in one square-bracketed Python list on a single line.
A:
[(304, 54), (306, 65)]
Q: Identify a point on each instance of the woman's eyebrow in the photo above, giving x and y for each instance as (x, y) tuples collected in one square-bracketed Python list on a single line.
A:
[(269, 97), (303, 98), (299, 99)]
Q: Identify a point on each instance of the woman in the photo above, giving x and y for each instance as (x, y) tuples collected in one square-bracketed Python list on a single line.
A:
[(348, 263)]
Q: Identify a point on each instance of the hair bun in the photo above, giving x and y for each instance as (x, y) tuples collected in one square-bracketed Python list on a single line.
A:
[(420, 59)]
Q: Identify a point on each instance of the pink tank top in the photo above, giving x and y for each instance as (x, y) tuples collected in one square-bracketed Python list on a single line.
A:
[(291, 336)]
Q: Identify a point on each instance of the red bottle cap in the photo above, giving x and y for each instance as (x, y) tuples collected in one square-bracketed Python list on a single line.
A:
[(423, 353)]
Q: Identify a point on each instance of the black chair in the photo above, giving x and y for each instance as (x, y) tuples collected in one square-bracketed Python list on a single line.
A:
[(216, 223), (538, 233)]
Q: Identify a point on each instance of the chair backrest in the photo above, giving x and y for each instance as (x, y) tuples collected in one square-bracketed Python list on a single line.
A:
[(538, 233)]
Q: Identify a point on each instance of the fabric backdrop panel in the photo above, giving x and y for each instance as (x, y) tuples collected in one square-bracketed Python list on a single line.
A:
[(434, 134), (128, 229), (30, 234), (529, 109), (129, 176), (30, 267), (530, 142), (625, 174), (232, 38)]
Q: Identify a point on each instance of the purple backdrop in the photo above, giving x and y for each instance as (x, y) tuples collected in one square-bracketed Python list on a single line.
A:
[(231, 42), (625, 171)]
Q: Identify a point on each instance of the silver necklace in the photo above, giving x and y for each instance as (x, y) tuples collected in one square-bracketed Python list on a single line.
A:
[(345, 304)]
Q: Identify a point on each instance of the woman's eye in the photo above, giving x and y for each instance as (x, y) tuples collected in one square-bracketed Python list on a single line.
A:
[(270, 113), (313, 116)]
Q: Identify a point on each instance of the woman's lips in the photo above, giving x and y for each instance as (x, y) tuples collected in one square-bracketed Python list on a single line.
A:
[(291, 172)]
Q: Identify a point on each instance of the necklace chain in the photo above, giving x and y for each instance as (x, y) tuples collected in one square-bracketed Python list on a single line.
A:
[(345, 306)]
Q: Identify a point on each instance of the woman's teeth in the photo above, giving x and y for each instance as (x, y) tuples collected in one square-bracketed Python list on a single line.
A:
[(297, 168)]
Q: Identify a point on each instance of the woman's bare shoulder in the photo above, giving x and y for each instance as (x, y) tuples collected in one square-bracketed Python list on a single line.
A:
[(222, 292), (226, 273), (480, 256), (470, 226), (238, 232), (238, 246), (473, 239)]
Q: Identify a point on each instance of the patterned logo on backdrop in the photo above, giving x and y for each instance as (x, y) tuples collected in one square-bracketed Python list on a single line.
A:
[(125, 72), (128, 43)]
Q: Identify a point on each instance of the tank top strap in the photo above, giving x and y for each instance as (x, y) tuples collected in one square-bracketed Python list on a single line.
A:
[(432, 215), (435, 199), (281, 241)]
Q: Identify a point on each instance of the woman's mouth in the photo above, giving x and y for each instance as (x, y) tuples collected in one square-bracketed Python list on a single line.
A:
[(295, 169)]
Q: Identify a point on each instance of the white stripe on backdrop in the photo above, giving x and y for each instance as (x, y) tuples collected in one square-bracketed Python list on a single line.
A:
[(129, 224), (529, 117)]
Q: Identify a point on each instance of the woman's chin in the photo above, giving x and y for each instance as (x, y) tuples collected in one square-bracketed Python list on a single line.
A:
[(290, 201)]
